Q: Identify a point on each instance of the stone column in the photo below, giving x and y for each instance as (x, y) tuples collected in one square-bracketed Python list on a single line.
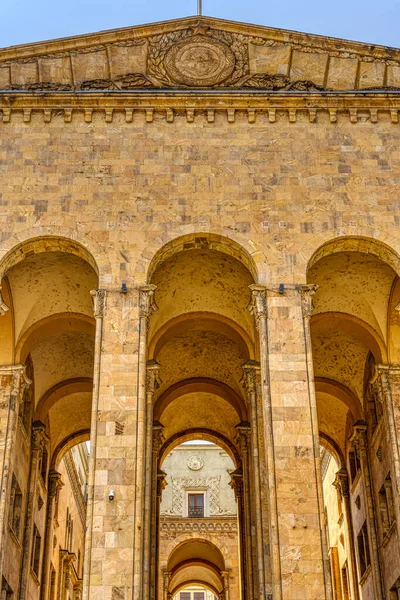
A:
[(225, 577), (251, 371), (161, 485), (389, 376), (115, 562), (359, 439), (341, 483), (307, 291), (99, 297), (242, 440), (53, 488), (147, 307), (157, 442), (13, 382), (38, 440), (291, 446), (166, 578), (152, 383)]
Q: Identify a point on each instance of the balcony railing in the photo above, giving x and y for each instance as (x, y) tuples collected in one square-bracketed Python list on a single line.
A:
[(196, 512)]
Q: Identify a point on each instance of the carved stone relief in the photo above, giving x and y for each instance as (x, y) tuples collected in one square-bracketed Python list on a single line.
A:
[(182, 484)]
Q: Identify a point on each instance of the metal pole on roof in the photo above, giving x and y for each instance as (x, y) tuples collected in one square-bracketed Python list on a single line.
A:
[(199, 7)]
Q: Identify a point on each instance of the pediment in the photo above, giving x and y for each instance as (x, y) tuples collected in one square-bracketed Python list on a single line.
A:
[(199, 53)]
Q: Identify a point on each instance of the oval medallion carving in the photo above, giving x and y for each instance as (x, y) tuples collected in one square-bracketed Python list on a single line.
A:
[(195, 463), (200, 61)]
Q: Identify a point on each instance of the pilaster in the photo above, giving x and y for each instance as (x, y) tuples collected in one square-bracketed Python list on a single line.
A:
[(358, 439), (291, 435)]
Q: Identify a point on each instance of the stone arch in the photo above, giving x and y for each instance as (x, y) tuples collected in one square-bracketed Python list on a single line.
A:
[(221, 553), (355, 326), (200, 434), (15, 253), (365, 244), (58, 321), (200, 384), (61, 390), (197, 320), (161, 249), (327, 442), (83, 435)]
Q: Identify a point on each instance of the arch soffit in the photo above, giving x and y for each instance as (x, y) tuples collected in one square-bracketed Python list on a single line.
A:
[(329, 444), (353, 243), (203, 321), (195, 561), (61, 390), (179, 543), (38, 244), (200, 384), (56, 323), (340, 392), (200, 434), (350, 324), (201, 240), (83, 435)]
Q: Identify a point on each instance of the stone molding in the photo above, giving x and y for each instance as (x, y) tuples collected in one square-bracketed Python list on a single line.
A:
[(141, 108), (172, 527)]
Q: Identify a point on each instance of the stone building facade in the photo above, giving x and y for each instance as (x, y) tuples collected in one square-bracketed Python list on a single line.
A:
[(200, 240), (198, 515)]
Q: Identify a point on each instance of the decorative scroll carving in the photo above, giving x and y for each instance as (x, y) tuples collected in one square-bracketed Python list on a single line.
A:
[(180, 484), (341, 483), (307, 291), (359, 436), (158, 436), (236, 483), (147, 304), (153, 380), (251, 370), (258, 303), (99, 299)]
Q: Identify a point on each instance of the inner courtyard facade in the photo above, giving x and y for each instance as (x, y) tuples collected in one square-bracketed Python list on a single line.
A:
[(199, 316)]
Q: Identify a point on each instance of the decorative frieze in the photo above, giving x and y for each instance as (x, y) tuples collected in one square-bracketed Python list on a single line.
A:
[(26, 108), (172, 528)]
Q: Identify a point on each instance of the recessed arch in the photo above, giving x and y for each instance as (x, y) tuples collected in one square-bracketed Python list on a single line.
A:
[(59, 391), (83, 435), (201, 320), (203, 240), (200, 384), (40, 244), (200, 434), (342, 393), (360, 244), (333, 448), (352, 325), (192, 549), (58, 322)]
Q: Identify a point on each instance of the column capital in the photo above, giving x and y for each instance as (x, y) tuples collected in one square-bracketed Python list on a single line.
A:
[(258, 302), (236, 483), (341, 483), (242, 437), (99, 302), (153, 380), (359, 435), (161, 482), (55, 483), (39, 436), (158, 436), (3, 306), (251, 369), (307, 291), (147, 303)]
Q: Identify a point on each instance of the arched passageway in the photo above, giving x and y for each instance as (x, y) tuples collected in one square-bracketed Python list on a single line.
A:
[(47, 338)]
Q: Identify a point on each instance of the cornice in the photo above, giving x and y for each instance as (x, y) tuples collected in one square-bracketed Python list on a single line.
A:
[(271, 107), (106, 37)]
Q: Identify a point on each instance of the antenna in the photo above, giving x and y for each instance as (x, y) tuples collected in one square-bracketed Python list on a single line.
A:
[(199, 8)]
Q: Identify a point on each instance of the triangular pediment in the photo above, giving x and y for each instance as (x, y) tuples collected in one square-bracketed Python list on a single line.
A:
[(199, 53)]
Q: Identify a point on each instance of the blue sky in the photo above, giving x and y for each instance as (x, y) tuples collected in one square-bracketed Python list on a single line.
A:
[(371, 21)]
